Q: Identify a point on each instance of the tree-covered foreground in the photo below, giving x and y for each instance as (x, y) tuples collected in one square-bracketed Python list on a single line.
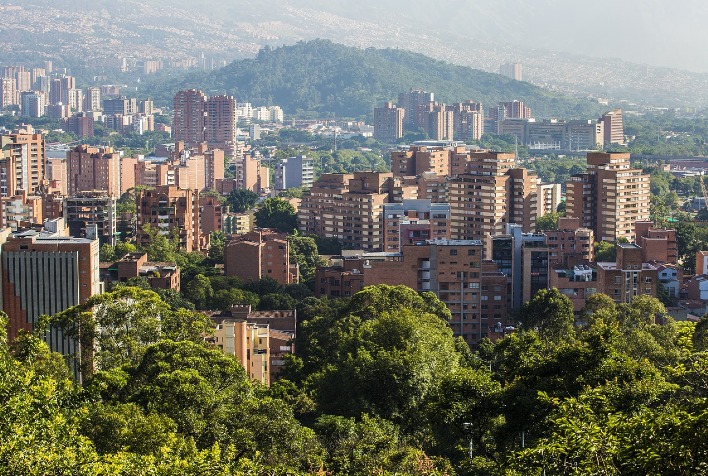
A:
[(379, 386)]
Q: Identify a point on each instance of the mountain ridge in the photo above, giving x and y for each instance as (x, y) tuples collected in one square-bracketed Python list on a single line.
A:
[(329, 78)]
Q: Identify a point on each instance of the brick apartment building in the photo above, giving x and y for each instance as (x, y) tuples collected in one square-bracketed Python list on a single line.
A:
[(22, 161), (474, 290), (610, 197), (491, 193), (258, 254), (92, 168), (170, 209)]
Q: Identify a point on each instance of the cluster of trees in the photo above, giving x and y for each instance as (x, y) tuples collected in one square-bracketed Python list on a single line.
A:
[(666, 134), (555, 169), (380, 386)]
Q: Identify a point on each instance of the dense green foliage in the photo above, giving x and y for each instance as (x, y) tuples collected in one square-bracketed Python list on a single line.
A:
[(667, 134), (324, 77), (556, 169), (278, 214), (241, 200), (380, 386)]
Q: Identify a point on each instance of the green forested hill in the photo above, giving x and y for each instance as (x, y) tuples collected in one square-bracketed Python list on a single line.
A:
[(324, 77)]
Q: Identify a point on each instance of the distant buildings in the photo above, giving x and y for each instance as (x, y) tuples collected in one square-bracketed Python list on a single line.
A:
[(511, 71), (214, 120), (418, 111), (613, 127), (388, 122), (554, 134), (294, 172)]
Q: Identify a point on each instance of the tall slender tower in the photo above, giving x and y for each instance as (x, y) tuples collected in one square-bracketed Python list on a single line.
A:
[(189, 116)]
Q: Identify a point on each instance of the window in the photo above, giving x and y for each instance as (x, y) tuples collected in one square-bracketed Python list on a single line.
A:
[(453, 252)]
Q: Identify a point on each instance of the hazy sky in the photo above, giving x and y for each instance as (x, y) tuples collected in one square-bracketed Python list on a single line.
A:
[(657, 32)]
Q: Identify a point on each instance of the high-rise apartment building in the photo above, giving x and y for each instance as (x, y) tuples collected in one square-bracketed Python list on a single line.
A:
[(33, 103), (440, 123), (250, 174), (388, 122), (490, 194), (47, 274), (610, 197), (92, 168), (412, 102), (22, 161), (23, 80), (199, 119), (468, 120), (516, 109), (170, 210), (613, 127), (92, 99), (189, 116), (347, 207), (220, 123), (8, 92), (549, 198)]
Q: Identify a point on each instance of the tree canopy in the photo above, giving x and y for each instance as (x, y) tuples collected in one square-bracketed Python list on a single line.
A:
[(278, 214)]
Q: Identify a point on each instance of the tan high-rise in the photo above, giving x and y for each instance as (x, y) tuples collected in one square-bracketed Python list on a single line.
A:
[(22, 162), (610, 197), (189, 111), (93, 168), (347, 207), (388, 122), (491, 193), (613, 127)]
